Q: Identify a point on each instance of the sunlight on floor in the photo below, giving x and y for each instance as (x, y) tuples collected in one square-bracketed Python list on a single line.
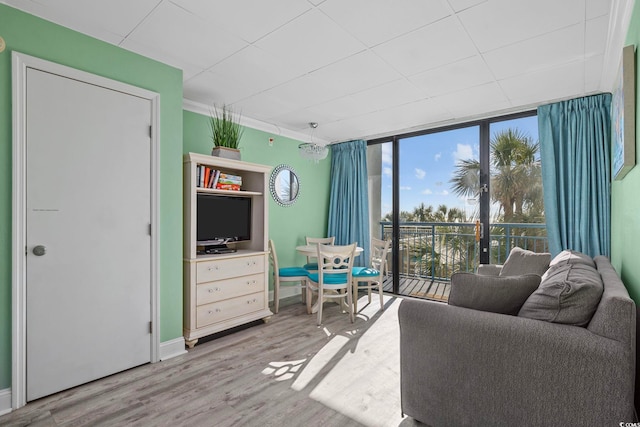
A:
[(283, 371), (364, 377)]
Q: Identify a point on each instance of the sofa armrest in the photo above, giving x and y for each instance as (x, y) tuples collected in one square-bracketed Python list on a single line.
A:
[(489, 269), (466, 367)]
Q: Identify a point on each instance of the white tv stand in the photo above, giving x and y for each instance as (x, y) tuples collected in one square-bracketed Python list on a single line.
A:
[(225, 290)]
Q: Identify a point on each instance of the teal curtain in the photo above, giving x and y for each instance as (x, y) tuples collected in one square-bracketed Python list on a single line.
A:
[(349, 197), (575, 140)]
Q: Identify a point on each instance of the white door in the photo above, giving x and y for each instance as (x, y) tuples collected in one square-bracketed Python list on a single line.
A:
[(88, 303)]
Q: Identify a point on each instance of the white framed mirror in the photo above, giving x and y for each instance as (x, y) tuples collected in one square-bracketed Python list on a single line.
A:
[(284, 185)]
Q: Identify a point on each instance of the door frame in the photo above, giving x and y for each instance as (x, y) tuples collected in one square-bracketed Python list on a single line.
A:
[(20, 63)]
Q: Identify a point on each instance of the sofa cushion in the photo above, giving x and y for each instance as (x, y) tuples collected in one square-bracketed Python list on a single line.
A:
[(569, 293), (569, 256), (496, 294), (521, 261)]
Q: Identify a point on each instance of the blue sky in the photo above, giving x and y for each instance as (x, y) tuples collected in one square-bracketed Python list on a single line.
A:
[(427, 163)]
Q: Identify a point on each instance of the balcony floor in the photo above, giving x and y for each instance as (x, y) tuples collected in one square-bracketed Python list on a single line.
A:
[(420, 288)]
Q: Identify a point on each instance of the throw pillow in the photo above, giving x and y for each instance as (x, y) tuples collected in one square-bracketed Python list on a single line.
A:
[(568, 294), (492, 293), (521, 261), (569, 256)]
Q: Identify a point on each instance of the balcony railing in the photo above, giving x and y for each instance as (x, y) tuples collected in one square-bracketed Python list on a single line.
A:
[(436, 250)]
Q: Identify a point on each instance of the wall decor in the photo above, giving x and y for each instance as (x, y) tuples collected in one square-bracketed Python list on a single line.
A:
[(284, 185), (623, 116)]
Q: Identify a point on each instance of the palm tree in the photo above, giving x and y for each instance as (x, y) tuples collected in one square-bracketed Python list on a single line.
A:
[(515, 176)]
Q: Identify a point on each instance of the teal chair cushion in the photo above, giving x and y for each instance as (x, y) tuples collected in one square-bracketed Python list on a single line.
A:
[(365, 272), (311, 266), (330, 279), (292, 272)]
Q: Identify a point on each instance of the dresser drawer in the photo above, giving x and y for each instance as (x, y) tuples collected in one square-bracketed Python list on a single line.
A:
[(209, 271), (229, 288), (227, 309)]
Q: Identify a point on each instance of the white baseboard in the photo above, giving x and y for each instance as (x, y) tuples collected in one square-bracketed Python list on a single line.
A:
[(173, 348), (285, 291), (5, 401)]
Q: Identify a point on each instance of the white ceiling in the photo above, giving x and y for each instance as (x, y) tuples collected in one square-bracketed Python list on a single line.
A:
[(364, 68)]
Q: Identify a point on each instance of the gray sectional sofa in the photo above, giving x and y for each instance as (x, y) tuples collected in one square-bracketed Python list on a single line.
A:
[(462, 366)]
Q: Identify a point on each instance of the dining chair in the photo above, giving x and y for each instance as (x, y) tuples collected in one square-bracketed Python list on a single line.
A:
[(310, 265), (372, 276), (335, 264), (286, 276)]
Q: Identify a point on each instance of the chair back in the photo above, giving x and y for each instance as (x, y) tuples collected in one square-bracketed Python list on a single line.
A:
[(334, 260), (379, 252), (315, 240), (323, 240), (273, 258)]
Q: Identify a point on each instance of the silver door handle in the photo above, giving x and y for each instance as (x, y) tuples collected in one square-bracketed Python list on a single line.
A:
[(39, 250)]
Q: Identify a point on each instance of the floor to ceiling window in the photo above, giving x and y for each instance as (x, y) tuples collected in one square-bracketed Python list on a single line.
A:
[(455, 197)]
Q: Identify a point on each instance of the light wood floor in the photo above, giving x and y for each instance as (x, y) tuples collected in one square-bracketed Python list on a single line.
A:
[(289, 372)]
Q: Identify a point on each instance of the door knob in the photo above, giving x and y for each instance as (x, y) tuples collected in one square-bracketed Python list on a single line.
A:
[(39, 250)]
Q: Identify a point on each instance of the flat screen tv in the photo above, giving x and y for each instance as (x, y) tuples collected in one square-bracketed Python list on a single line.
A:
[(222, 219)]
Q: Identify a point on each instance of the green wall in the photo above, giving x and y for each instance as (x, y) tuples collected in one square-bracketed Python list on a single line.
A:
[(287, 225), (27, 34), (625, 203)]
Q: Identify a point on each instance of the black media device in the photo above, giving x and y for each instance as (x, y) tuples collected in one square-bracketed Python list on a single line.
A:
[(222, 219)]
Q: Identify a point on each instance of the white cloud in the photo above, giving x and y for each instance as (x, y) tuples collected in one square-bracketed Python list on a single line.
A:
[(387, 154), (427, 191), (405, 188), (386, 171), (437, 157), (463, 152), (444, 193), (420, 174)]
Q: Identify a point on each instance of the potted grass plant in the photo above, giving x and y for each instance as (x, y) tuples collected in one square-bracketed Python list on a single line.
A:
[(225, 133)]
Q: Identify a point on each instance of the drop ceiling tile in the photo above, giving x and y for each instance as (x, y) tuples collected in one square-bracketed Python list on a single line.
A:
[(497, 23), (429, 47), (374, 22), (299, 120), (255, 70), (388, 95), (460, 5), (547, 85), (188, 70), (114, 16), (596, 33), (215, 89), (84, 18), (199, 43), (356, 73), (597, 8), (305, 91), (593, 74), (534, 54), (312, 40), (334, 110), (474, 101), (453, 77), (248, 19), (265, 105)]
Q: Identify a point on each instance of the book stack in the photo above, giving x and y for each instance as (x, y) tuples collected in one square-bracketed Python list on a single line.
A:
[(229, 182), (207, 177)]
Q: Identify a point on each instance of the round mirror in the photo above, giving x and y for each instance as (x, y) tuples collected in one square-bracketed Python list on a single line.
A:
[(284, 185)]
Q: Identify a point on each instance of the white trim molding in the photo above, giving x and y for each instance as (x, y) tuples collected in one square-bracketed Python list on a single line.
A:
[(196, 107), (172, 348), (20, 64), (5, 401)]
